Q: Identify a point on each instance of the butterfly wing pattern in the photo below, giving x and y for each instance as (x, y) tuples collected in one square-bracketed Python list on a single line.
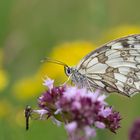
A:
[(115, 66)]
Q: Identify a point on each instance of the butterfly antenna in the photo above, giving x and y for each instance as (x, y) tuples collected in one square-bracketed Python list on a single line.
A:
[(47, 59)]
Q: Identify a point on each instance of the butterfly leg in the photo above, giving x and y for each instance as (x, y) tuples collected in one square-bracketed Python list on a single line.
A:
[(66, 81)]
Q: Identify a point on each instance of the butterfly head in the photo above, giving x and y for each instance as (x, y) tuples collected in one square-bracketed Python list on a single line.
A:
[(68, 70), (76, 77), (72, 72)]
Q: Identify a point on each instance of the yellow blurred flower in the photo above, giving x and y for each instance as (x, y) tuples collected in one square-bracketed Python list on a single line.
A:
[(5, 109), (3, 79), (27, 88), (3, 74), (70, 53), (20, 118), (119, 32)]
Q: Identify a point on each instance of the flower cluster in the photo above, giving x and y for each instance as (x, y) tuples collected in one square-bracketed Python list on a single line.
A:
[(80, 110), (135, 131)]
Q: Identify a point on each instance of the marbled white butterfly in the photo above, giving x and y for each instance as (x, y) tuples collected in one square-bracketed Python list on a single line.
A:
[(114, 67)]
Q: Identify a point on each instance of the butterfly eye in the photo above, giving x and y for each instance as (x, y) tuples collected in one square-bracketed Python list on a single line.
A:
[(67, 70)]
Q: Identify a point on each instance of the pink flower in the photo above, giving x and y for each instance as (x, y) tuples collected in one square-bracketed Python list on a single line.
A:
[(49, 83), (100, 125), (42, 113), (79, 109), (135, 130), (105, 111), (89, 132), (71, 127)]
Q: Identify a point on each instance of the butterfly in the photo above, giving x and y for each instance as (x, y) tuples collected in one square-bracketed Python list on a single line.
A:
[(113, 67)]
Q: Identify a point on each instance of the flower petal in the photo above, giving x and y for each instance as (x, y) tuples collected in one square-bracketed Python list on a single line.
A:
[(49, 83), (99, 125), (71, 127)]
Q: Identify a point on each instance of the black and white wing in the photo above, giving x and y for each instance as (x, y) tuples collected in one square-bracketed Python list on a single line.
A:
[(114, 66)]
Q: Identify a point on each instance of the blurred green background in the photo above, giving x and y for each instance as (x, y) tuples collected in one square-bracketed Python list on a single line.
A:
[(62, 29)]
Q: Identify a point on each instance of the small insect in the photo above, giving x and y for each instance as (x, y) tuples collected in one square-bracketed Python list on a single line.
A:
[(35, 115), (114, 67), (28, 112)]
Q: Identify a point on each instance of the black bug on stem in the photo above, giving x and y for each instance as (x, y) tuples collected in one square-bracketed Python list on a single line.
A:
[(28, 111)]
